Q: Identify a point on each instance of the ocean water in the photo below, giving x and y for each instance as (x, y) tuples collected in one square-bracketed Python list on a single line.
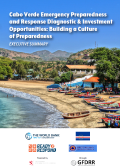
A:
[(27, 111)]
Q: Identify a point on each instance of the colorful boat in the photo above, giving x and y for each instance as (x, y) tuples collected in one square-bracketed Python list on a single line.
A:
[(113, 116), (115, 96), (71, 93), (77, 95), (95, 100), (104, 103), (76, 115), (104, 119), (52, 89), (86, 96), (112, 123), (63, 91), (109, 109), (107, 105)]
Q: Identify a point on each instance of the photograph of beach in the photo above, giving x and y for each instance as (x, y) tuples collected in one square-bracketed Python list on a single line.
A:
[(30, 104)]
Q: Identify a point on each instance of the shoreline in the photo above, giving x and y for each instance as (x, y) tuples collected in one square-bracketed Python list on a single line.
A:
[(52, 115), (63, 103)]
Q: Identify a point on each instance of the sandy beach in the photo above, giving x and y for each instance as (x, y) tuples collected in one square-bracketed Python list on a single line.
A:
[(64, 103)]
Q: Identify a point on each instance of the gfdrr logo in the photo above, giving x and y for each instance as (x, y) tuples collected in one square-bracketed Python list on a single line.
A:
[(83, 162), (86, 162)]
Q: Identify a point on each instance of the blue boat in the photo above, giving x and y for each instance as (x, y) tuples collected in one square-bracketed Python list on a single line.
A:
[(109, 109), (54, 86), (87, 96), (112, 115)]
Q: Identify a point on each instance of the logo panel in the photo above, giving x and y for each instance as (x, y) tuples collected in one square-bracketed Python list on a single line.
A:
[(82, 148)]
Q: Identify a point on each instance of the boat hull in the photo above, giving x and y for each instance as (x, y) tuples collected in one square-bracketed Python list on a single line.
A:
[(90, 96), (117, 96), (108, 110), (70, 93), (75, 115), (62, 91), (103, 103)]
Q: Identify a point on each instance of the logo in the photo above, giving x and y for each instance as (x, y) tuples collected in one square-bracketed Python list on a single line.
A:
[(41, 148), (82, 148), (30, 162), (72, 148), (73, 162), (82, 135), (83, 162), (28, 136), (86, 162)]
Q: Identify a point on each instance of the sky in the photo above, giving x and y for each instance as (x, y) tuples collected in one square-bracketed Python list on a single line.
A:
[(106, 36)]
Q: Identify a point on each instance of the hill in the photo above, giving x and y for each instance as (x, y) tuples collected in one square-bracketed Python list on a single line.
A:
[(55, 56), (83, 54), (19, 55)]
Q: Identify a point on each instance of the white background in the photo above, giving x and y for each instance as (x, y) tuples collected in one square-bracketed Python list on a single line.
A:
[(14, 147)]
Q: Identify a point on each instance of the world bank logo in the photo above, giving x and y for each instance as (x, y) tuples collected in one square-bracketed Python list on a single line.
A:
[(28, 136)]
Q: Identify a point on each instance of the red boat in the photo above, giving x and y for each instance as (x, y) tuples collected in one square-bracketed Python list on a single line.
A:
[(94, 100), (72, 92), (86, 96), (63, 91), (108, 102), (78, 95), (111, 122), (115, 96), (100, 103), (52, 89), (104, 119), (108, 115)]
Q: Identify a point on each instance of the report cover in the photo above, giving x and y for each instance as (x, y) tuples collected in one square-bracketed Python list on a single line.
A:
[(59, 82)]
